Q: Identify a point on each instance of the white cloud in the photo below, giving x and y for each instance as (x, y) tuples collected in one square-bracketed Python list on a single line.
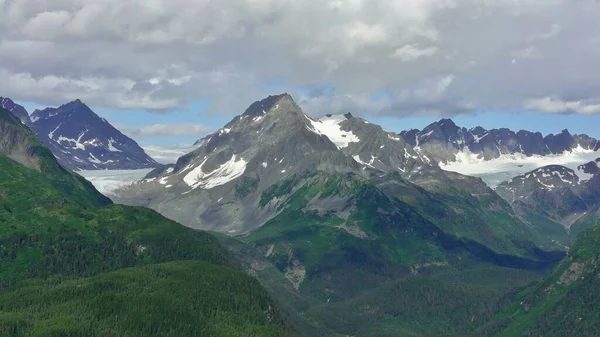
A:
[(553, 105), (167, 130), (409, 53), (159, 54)]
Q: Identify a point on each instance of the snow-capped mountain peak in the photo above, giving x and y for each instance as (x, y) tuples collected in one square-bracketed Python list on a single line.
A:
[(274, 140), (82, 140)]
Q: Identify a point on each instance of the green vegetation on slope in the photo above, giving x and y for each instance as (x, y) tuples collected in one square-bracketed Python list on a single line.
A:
[(72, 264), (54, 178), (192, 298), (564, 303), (45, 231), (424, 302), (476, 214), (358, 262), (371, 240), (446, 304)]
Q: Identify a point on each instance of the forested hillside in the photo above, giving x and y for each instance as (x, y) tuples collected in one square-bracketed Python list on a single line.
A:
[(564, 303), (73, 264)]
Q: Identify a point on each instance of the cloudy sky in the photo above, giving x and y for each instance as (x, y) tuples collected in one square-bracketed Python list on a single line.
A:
[(167, 71)]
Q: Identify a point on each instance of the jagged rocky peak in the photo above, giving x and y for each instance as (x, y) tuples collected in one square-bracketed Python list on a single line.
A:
[(478, 130), (74, 109), (273, 138), (447, 125), (551, 176), (273, 127), (445, 142), (223, 179), (261, 107), (410, 136), (559, 143), (15, 109)]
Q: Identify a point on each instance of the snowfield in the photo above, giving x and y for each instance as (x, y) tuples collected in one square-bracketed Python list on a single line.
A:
[(228, 171), (330, 127), (495, 171)]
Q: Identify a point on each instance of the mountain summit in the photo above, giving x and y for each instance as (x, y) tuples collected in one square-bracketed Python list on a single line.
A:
[(81, 140)]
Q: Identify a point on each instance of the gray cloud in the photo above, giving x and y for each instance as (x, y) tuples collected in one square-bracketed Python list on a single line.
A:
[(159, 54), (551, 105)]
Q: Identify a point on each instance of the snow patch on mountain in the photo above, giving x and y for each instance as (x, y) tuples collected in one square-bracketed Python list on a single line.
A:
[(330, 126), (111, 146), (369, 164), (225, 173)]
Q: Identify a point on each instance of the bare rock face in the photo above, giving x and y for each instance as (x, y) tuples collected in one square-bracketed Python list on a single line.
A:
[(15, 109), (15, 143)]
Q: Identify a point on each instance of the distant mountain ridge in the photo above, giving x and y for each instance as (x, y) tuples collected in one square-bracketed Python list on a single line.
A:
[(15, 109), (557, 192), (445, 142), (80, 139)]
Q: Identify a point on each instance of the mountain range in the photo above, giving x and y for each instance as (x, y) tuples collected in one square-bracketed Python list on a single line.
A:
[(445, 142), (80, 139), (246, 173), (348, 228)]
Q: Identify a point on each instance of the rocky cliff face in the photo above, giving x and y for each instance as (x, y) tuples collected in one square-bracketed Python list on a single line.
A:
[(15, 142), (15, 109)]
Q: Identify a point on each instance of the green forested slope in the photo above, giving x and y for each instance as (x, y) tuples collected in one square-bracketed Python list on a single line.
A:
[(191, 298), (564, 303), (72, 264)]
